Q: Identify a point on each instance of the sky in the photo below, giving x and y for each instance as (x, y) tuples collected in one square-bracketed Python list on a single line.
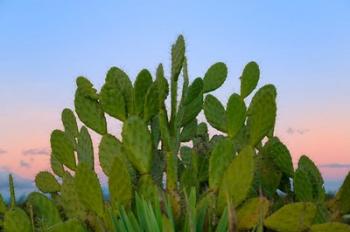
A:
[(302, 47)]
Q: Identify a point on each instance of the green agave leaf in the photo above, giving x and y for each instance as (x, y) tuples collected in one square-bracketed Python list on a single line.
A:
[(119, 183), (235, 114), (88, 188), (214, 77), (220, 159), (56, 166), (252, 212), (138, 144), (85, 148), (70, 124), (16, 220), (71, 225), (47, 183), (177, 57), (45, 211), (249, 78), (142, 84), (330, 227), (280, 155), (261, 114), (293, 217), (237, 179), (62, 149), (302, 186), (314, 177), (151, 106), (215, 113), (343, 196), (88, 108), (70, 201)]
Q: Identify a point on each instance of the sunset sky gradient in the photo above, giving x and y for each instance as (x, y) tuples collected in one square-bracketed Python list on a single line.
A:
[(301, 46)]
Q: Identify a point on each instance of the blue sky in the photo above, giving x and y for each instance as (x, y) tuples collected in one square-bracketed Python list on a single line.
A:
[(301, 46)]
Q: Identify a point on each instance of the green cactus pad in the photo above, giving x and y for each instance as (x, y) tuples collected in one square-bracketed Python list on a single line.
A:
[(293, 217), (119, 183), (85, 148), (280, 155), (162, 83), (252, 212), (47, 183), (188, 131), (142, 84), (88, 108), (177, 57), (120, 81), (220, 159), (249, 78), (56, 166), (112, 101), (147, 188), (330, 227), (214, 77), (71, 225), (261, 114), (302, 186), (16, 220), (62, 149), (235, 114), (109, 148), (138, 144), (70, 201), (70, 124), (89, 190), (268, 176), (151, 106), (343, 196), (237, 179), (45, 211), (314, 177), (215, 113)]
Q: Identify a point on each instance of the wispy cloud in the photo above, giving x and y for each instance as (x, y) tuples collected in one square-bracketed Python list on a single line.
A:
[(36, 151), (24, 164), (2, 151), (334, 165), (292, 131)]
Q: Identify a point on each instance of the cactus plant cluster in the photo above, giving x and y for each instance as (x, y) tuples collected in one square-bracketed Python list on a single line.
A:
[(166, 172)]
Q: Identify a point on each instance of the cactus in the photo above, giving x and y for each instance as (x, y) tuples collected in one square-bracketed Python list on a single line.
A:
[(249, 78), (16, 220), (237, 179), (46, 182), (330, 227), (214, 77), (89, 190), (252, 212), (294, 217), (45, 211), (166, 171)]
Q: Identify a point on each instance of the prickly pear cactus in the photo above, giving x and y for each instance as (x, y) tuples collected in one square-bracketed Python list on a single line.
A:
[(16, 220), (47, 183)]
